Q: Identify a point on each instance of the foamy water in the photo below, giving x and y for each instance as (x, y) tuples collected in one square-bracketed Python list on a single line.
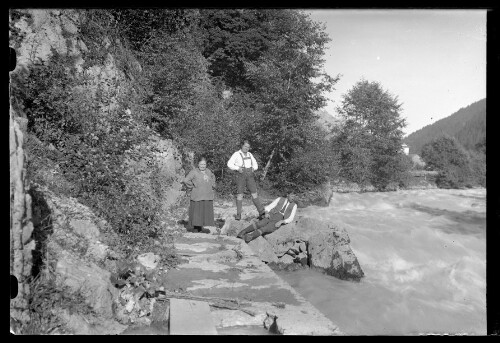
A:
[(423, 253)]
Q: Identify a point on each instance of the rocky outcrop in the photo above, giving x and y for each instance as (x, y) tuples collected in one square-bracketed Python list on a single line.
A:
[(327, 246), (307, 241), (89, 280), (21, 226), (79, 262)]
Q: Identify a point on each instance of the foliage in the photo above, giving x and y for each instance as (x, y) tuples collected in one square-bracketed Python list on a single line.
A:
[(369, 141), (45, 297), (478, 167), (89, 146), (269, 61), (288, 85), (450, 159), (308, 167)]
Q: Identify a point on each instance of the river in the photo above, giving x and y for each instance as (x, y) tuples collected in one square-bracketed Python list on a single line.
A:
[(423, 253)]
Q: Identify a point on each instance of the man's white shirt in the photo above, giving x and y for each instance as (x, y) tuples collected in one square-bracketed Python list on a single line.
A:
[(272, 205), (235, 162)]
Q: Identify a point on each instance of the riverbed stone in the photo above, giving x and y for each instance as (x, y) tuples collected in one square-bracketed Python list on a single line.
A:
[(286, 259), (335, 259), (302, 247), (328, 248), (301, 258)]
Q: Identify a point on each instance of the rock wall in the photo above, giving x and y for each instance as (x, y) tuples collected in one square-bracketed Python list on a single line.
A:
[(81, 263), (21, 226)]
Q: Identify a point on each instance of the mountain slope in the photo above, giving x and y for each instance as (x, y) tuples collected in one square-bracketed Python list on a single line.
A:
[(467, 125)]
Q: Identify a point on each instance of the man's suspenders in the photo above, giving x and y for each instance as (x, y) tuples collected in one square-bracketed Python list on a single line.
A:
[(246, 158)]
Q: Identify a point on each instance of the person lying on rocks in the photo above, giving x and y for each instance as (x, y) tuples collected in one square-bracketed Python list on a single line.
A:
[(280, 211)]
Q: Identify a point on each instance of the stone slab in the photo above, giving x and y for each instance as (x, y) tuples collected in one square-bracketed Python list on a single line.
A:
[(227, 268), (190, 317)]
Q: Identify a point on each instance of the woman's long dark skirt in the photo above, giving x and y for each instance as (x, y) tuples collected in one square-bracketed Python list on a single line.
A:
[(201, 213)]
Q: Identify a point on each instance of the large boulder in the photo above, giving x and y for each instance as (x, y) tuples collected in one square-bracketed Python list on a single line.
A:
[(334, 256), (89, 280), (328, 248)]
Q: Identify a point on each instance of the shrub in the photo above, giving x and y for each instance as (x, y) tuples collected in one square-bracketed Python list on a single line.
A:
[(90, 145), (450, 159)]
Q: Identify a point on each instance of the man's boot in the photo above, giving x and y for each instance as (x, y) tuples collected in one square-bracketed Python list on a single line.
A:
[(239, 205), (248, 229), (258, 205), (252, 235)]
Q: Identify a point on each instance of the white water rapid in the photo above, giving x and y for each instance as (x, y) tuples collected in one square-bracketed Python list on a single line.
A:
[(423, 253)]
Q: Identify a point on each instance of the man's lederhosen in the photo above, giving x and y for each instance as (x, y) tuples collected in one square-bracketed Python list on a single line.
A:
[(246, 178)]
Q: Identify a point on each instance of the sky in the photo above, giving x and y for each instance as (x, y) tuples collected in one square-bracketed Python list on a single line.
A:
[(434, 61)]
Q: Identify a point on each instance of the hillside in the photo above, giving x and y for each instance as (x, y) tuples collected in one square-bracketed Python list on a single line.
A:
[(327, 121), (467, 125)]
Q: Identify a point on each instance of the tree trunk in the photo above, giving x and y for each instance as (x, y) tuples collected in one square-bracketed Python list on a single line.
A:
[(266, 168)]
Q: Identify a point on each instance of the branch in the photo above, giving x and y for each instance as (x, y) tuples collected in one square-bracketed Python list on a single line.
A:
[(213, 301)]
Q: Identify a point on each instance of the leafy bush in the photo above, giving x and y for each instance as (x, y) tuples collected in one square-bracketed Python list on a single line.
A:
[(371, 136), (308, 167), (450, 159), (89, 145)]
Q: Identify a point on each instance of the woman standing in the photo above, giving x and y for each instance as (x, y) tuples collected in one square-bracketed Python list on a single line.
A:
[(201, 181)]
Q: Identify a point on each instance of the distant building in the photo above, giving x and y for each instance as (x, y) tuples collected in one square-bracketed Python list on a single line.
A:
[(405, 148)]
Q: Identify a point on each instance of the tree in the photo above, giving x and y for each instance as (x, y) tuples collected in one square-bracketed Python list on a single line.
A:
[(371, 135), (289, 84), (450, 159)]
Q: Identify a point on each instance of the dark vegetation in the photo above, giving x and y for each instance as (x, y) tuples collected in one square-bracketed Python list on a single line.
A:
[(455, 147), (456, 166)]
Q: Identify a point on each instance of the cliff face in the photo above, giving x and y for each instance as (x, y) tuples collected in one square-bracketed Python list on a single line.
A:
[(21, 226), (38, 35)]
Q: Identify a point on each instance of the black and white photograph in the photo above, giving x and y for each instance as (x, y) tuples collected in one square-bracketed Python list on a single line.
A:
[(249, 171)]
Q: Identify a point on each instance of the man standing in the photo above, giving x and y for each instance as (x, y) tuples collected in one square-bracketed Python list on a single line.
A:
[(280, 211), (243, 162)]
